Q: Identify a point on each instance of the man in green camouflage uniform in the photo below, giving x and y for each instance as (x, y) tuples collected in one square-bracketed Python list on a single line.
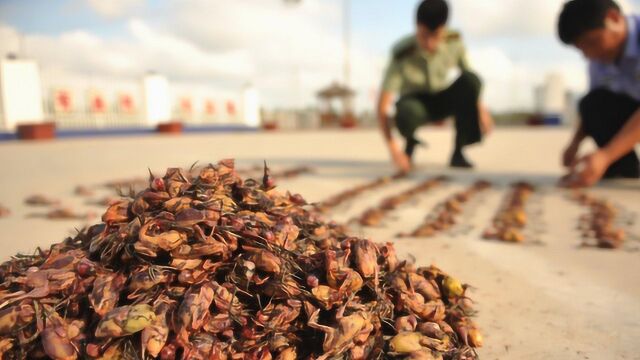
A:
[(430, 74)]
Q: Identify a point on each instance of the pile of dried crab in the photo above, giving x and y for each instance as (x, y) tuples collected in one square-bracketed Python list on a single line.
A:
[(214, 267)]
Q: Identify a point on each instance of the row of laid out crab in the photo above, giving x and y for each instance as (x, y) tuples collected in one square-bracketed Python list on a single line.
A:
[(444, 215), (506, 224), (599, 224), (511, 217), (352, 193), (375, 215), (211, 266)]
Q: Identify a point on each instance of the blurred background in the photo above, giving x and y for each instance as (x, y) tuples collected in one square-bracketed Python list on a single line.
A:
[(230, 73), (283, 64)]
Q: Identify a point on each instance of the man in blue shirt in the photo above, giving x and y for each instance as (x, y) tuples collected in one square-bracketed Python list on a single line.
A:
[(610, 112)]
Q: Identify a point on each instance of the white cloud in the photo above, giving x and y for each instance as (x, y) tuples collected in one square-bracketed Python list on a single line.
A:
[(509, 84), (180, 57), (9, 40), (502, 18), (296, 49), (513, 45), (114, 8), (289, 52), (84, 53)]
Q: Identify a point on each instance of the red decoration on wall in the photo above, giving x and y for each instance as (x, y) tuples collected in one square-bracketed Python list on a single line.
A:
[(63, 101), (97, 103), (209, 107), (186, 106), (231, 108), (126, 103)]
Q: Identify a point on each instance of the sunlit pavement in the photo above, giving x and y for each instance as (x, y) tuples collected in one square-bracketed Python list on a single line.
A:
[(551, 300)]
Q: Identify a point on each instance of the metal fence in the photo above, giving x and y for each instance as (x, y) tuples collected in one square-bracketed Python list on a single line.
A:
[(87, 119)]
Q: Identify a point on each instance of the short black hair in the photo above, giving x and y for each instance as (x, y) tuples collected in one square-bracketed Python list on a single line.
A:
[(579, 16), (433, 13)]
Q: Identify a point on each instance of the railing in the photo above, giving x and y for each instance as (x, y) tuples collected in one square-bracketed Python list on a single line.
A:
[(89, 120)]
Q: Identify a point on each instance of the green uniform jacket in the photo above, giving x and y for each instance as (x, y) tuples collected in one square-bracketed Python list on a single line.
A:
[(414, 70)]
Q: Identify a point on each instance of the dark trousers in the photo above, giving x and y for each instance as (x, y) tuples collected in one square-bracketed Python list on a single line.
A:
[(603, 114), (460, 100)]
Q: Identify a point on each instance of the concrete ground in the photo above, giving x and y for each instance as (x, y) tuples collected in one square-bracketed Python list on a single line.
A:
[(549, 299)]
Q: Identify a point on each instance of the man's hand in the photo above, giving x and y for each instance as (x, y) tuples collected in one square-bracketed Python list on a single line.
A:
[(486, 120), (569, 155), (400, 159), (588, 170)]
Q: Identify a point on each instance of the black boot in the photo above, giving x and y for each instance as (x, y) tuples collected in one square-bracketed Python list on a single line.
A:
[(459, 161), (410, 147)]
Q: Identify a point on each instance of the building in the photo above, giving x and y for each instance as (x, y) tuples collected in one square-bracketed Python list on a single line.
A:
[(552, 99)]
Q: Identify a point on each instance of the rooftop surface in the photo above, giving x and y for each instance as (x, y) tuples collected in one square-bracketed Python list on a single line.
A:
[(547, 299)]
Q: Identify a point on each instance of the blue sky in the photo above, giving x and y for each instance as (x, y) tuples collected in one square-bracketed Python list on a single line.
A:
[(287, 51), (56, 16), (371, 17)]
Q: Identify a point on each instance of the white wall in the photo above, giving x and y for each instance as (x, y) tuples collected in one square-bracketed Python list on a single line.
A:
[(20, 93), (157, 103), (250, 111)]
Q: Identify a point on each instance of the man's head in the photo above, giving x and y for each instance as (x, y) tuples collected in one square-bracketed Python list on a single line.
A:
[(431, 19), (596, 27)]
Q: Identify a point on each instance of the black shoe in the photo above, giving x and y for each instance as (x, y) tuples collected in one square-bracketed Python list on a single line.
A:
[(410, 147), (459, 161)]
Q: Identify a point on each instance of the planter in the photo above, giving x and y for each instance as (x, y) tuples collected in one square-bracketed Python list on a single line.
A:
[(349, 122), (41, 131), (174, 127), (270, 126)]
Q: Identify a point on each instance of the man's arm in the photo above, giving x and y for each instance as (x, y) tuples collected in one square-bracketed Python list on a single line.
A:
[(579, 135), (384, 108), (486, 120), (590, 169), (391, 85), (400, 159), (569, 155), (583, 172)]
